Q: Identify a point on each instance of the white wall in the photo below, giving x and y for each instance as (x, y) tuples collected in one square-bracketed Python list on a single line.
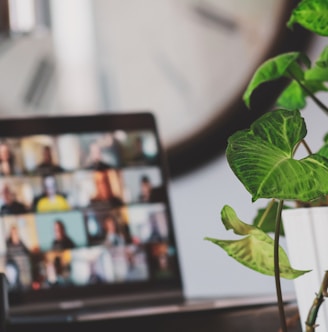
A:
[(197, 199)]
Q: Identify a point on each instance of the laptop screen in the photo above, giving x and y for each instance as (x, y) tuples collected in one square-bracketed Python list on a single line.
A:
[(84, 208)]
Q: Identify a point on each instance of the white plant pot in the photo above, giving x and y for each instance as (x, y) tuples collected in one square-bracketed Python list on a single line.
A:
[(306, 231)]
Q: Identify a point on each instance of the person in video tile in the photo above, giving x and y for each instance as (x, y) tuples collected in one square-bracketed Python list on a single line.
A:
[(113, 235), (139, 155), (6, 160), (13, 274), (15, 245), (47, 165), (51, 199), (62, 240), (104, 192), (155, 233), (56, 270), (10, 204), (144, 151), (145, 189), (18, 262), (137, 265), (95, 158), (162, 261), (149, 193)]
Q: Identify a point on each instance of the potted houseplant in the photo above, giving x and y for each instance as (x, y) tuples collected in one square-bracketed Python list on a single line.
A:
[(267, 159)]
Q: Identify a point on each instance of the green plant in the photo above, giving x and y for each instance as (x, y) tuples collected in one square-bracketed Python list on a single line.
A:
[(263, 158)]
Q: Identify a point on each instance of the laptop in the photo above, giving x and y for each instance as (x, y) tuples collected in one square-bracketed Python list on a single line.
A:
[(86, 229), (85, 215)]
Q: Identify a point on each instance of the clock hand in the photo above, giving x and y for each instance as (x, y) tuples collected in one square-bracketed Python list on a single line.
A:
[(208, 13), (172, 73)]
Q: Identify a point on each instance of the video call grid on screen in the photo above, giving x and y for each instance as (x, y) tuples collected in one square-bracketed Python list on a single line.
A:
[(83, 209)]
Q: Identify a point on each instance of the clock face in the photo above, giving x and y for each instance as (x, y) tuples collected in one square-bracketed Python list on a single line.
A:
[(187, 61), (183, 59)]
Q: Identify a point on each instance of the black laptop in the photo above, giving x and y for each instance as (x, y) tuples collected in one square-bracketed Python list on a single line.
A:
[(86, 224)]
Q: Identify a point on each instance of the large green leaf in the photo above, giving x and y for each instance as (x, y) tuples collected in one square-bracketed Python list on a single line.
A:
[(312, 15), (262, 159), (255, 249), (272, 69)]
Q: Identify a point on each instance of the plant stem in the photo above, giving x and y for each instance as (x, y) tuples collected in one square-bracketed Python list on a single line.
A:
[(277, 269), (313, 312), (314, 98), (266, 212), (306, 146)]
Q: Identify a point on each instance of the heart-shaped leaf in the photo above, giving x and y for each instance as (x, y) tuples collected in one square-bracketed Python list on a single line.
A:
[(280, 66), (262, 159), (312, 15), (255, 249)]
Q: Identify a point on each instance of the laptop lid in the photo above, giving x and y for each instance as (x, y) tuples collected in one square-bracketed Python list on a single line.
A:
[(85, 213)]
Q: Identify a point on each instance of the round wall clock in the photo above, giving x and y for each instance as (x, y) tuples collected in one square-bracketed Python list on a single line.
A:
[(189, 61)]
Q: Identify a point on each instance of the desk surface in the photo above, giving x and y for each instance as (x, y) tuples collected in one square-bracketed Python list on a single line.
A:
[(226, 315)]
